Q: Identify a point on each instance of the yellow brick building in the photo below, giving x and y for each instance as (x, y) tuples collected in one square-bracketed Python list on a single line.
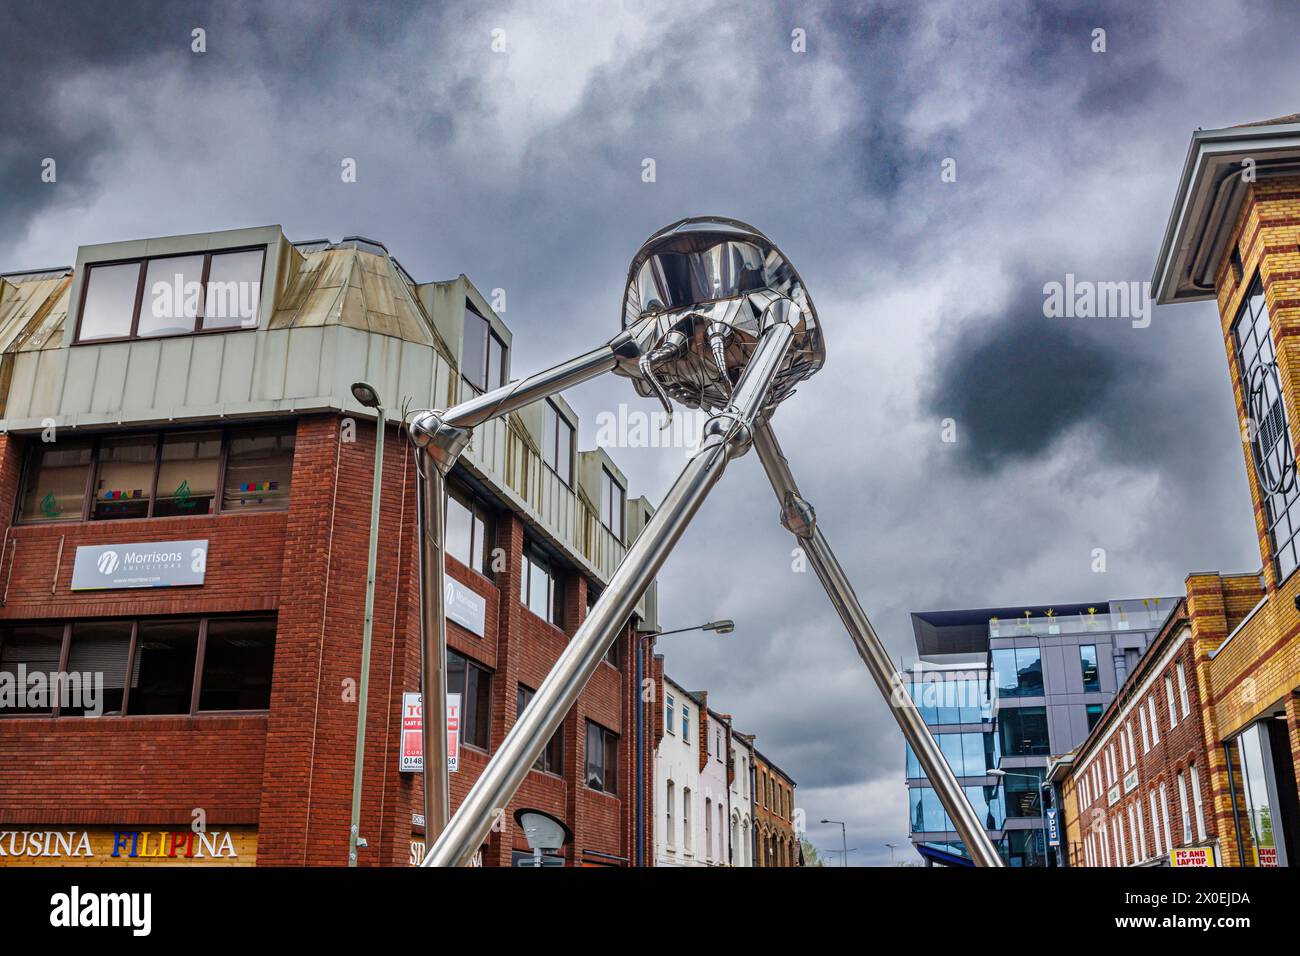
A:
[(1234, 236)]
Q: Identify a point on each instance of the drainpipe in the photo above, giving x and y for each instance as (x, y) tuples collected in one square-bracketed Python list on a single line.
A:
[(640, 756)]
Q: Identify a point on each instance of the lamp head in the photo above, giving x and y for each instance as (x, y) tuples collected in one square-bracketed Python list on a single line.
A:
[(699, 295), (720, 627), (365, 393)]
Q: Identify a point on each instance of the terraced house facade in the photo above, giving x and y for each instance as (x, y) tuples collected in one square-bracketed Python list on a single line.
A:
[(185, 486)]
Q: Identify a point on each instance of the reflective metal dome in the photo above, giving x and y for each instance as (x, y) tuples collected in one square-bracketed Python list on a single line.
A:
[(699, 294)]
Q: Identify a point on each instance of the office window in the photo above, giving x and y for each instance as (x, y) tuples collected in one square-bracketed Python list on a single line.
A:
[(1182, 689), (36, 648), (1088, 662), (1093, 712), (1196, 802), (468, 530), (1155, 723), (539, 589), (1023, 796), (1184, 813), (238, 654), (189, 463), (670, 829), (159, 475), (259, 468), (1173, 707), (1271, 446), (557, 443), (552, 758), (162, 675), (55, 484), (473, 682), (602, 762), (686, 725), (109, 302), (150, 666), (482, 354), (669, 724), (124, 477), (1019, 672), (169, 295), (613, 503), (104, 647), (166, 308), (1023, 731)]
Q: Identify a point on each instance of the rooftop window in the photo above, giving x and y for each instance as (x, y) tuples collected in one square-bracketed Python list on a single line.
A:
[(171, 295)]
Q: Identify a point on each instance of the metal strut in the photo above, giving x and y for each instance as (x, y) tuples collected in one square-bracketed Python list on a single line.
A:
[(799, 518)]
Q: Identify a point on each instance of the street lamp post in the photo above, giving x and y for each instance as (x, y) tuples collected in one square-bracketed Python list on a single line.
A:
[(844, 839), (367, 396), (1042, 804), (891, 852), (724, 626)]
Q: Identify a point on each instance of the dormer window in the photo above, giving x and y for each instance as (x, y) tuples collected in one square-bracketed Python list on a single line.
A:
[(171, 295), (613, 503), (482, 354)]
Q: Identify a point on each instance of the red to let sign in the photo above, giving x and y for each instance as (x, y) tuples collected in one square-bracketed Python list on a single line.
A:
[(412, 753)]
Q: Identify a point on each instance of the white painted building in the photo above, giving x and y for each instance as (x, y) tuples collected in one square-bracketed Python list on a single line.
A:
[(741, 801), (678, 800)]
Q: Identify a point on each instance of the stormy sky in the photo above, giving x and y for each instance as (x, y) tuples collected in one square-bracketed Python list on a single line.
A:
[(523, 169)]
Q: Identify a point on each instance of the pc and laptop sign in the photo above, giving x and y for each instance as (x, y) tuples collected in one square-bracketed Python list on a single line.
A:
[(148, 564)]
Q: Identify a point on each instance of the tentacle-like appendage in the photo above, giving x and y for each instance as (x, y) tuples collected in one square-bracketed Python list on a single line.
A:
[(671, 346), (717, 333)]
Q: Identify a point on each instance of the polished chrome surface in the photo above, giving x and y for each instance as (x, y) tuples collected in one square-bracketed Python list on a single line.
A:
[(430, 519), (726, 435), (798, 516), (700, 293)]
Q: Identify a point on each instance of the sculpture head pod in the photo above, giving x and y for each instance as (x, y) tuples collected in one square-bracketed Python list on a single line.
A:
[(699, 295)]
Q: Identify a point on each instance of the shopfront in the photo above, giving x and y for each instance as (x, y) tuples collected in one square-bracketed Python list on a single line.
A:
[(1263, 768)]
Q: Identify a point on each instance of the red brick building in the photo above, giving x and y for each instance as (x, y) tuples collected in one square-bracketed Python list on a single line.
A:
[(187, 440), (1141, 790)]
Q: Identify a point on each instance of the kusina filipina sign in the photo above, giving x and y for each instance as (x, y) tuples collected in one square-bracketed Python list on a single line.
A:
[(150, 564), (106, 846)]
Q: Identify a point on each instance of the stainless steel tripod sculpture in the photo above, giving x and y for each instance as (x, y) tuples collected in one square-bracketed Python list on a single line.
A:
[(714, 317)]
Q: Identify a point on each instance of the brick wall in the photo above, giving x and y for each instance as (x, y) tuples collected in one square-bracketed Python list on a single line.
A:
[(289, 772)]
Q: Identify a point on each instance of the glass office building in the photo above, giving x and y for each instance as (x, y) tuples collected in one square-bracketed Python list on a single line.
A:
[(1005, 689)]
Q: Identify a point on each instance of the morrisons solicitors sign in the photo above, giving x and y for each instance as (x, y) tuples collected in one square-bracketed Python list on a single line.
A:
[(149, 564)]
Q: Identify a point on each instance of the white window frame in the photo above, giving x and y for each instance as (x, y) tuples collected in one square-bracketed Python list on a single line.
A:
[(671, 840), (1197, 804), (1164, 817), (1182, 690), (1146, 736), (1155, 722), (1173, 709), (1184, 812), (1155, 821)]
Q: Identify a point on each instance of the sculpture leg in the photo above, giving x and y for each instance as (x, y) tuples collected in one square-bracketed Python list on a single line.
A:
[(726, 435), (799, 518), (439, 438)]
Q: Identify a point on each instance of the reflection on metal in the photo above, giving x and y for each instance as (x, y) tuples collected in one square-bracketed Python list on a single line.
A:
[(714, 317)]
